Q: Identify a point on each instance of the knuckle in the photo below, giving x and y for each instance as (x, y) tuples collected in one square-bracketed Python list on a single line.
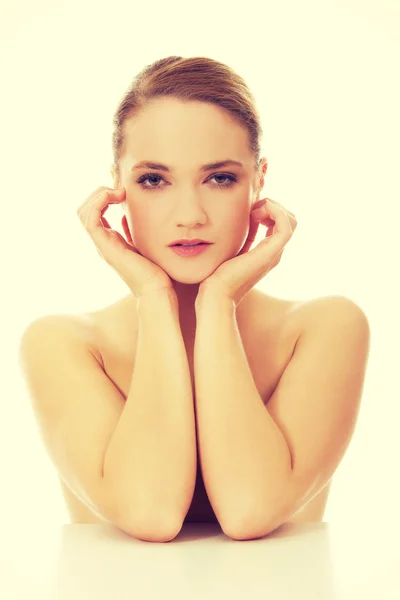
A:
[(98, 190), (101, 190), (105, 191)]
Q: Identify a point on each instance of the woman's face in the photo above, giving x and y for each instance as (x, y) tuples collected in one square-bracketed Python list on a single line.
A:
[(185, 201)]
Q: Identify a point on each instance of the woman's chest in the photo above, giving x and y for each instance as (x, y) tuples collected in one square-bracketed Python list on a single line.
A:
[(268, 343)]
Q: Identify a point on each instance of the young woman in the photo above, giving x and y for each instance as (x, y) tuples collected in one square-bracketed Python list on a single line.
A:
[(196, 397)]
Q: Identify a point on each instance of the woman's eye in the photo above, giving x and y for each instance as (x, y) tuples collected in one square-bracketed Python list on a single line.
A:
[(144, 178), (153, 176), (231, 179)]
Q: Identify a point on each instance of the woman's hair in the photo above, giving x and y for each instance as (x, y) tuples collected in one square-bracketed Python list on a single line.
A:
[(199, 79)]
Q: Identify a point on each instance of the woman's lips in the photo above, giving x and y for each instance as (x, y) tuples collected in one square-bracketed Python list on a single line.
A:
[(190, 250)]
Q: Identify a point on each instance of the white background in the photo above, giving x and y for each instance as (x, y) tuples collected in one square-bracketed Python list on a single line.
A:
[(325, 77)]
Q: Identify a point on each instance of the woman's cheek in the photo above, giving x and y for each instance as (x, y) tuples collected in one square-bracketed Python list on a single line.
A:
[(139, 226), (237, 230)]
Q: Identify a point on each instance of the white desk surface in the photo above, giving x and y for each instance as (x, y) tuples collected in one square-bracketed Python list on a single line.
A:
[(313, 561)]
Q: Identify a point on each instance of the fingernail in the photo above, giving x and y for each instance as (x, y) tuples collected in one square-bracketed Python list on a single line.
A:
[(259, 204)]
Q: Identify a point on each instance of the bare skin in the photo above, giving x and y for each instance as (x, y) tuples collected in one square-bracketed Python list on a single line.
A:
[(269, 330), (188, 191)]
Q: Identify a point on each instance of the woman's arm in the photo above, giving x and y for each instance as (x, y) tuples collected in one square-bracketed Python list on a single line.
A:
[(151, 458)]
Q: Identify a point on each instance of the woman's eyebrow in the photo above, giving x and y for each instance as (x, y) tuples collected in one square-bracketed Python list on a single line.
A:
[(208, 167)]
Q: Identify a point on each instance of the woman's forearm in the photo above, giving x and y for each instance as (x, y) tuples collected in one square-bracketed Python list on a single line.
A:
[(151, 458)]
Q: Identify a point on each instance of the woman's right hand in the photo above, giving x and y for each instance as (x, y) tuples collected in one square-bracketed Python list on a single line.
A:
[(142, 276)]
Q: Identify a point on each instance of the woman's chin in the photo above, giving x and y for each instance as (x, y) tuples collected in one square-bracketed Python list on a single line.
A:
[(190, 270), (188, 279)]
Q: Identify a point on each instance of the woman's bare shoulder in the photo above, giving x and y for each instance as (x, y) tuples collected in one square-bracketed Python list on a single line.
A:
[(297, 315), (100, 330), (82, 327)]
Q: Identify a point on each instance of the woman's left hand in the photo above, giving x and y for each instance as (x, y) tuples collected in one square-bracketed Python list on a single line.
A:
[(235, 277)]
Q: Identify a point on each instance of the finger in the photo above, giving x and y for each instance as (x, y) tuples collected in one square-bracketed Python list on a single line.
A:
[(270, 200), (100, 201), (265, 216), (251, 236), (105, 222), (261, 213), (114, 197), (91, 213), (84, 204), (255, 220), (273, 244)]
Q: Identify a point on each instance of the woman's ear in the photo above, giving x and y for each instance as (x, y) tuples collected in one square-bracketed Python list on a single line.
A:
[(125, 227), (263, 171), (113, 175)]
